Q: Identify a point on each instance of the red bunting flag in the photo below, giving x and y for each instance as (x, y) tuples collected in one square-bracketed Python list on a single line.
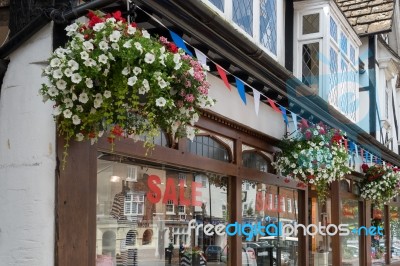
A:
[(272, 103), (345, 144), (223, 76)]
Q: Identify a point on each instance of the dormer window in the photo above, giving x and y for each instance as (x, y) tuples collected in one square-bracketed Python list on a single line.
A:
[(327, 54)]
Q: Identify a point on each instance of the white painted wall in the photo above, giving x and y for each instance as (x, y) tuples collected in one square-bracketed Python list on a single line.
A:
[(230, 105), (27, 159)]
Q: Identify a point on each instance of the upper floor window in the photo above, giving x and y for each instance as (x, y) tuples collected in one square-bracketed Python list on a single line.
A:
[(311, 23), (260, 20), (253, 159), (134, 204), (210, 147)]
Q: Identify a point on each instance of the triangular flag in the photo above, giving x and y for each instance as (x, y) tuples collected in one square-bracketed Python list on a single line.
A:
[(356, 148), (283, 111), (272, 103), (256, 95), (223, 76), (362, 153), (179, 42), (294, 117), (202, 58), (240, 88), (345, 144)]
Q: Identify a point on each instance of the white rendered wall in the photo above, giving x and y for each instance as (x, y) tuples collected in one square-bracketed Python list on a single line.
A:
[(27, 159), (230, 105)]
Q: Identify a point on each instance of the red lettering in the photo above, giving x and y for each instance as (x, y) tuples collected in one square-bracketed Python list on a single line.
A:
[(170, 192), (259, 201), (195, 186), (154, 193), (182, 200)]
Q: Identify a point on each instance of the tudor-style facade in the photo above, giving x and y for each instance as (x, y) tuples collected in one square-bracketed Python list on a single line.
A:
[(320, 59)]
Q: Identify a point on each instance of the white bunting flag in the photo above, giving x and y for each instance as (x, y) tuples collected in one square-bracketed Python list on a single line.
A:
[(202, 58), (256, 95), (294, 117)]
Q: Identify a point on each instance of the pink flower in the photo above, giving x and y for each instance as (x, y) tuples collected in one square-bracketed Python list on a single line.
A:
[(189, 98), (179, 104), (308, 135), (163, 40), (182, 93), (188, 84)]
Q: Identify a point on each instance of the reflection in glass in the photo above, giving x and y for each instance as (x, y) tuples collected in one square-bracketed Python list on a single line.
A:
[(378, 248), (395, 233), (143, 215), (350, 244)]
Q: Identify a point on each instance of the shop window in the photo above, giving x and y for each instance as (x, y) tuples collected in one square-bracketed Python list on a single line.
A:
[(145, 216), (378, 246), (243, 15), (209, 147), (395, 233), (310, 64), (182, 177), (254, 160), (350, 244), (289, 205), (311, 23)]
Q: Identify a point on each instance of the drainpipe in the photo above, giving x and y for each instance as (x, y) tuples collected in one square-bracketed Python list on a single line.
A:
[(52, 14), (289, 17), (372, 86)]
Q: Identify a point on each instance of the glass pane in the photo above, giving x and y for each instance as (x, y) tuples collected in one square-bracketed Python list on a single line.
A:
[(352, 55), (218, 3), (243, 14), (343, 43), (320, 250), (268, 24), (208, 147), (264, 206), (310, 64), (143, 232), (395, 233), (311, 23), (333, 29), (378, 248), (255, 161), (350, 244)]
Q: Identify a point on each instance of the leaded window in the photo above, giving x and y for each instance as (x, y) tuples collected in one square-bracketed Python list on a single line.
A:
[(311, 23), (134, 204), (352, 55), (268, 34), (333, 29), (254, 160), (343, 43), (310, 64), (243, 14)]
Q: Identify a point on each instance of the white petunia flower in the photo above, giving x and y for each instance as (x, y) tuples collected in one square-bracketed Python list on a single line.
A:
[(128, 44), (115, 35), (137, 70), (55, 62), (149, 58), (162, 50), (113, 20), (145, 34), (73, 65), (71, 28), (83, 97), (79, 108), (161, 102), (178, 66), (145, 83), (84, 55), (68, 72), (57, 74), (132, 80), (115, 46), (190, 133), (138, 47), (177, 58), (125, 71), (194, 119), (99, 97), (47, 70), (76, 120), (67, 113), (74, 97), (88, 45), (103, 46), (61, 84), (57, 111), (68, 103), (89, 83), (52, 91), (107, 94), (79, 137), (97, 103), (103, 59), (90, 62), (162, 83), (131, 30), (76, 78), (98, 26), (142, 90)]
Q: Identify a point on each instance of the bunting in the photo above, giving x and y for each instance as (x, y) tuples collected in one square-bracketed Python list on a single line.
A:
[(202, 58), (285, 118), (273, 105), (179, 42), (256, 95), (240, 88), (294, 118), (223, 76)]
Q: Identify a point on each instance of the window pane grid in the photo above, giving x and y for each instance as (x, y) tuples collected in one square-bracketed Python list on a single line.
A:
[(243, 14), (218, 4), (343, 43), (310, 64), (352, 55), (311, 23), (268, 24), (207, 147), (333, 29)]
